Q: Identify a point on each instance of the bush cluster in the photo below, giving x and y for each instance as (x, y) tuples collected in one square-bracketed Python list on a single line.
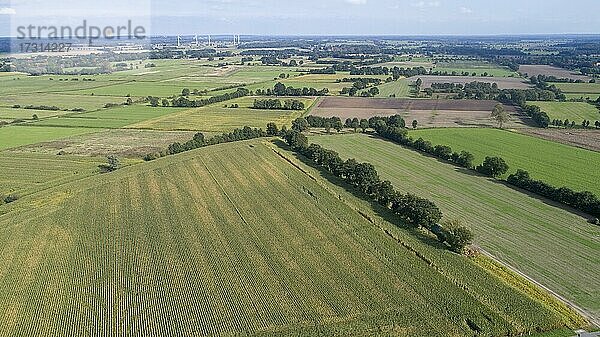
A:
[(275, 104)]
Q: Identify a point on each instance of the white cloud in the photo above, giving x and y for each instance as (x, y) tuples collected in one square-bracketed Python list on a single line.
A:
[(356, 2), (426, 4), (7, 11), (466, 10)]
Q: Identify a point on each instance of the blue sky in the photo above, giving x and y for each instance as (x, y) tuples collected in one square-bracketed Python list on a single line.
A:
[(322, 17)]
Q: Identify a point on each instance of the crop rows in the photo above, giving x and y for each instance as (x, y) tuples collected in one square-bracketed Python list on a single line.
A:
[(230, 240), (554, 246)]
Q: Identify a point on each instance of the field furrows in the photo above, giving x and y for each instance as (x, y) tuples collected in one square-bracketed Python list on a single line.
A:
[(519, 230), (229, 243)]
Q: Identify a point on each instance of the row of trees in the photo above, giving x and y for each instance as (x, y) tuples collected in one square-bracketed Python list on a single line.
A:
[(183, 101), (584, 201), (199, 140), (491, 166), (275, 104), (355, 123), (413, 210), (281, 89), (395, 72), (539, 117), (571, 124)]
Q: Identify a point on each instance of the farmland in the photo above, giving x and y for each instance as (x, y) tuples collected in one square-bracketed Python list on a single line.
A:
[(13, 136), (587, 139), (429, 113), (26, 173), (221, 119), (128, 143), (116, 117), (126, 210), (580, 90), (502, 82), (535, 70), (539, 239), (557, 164), (574, 111), (479, 68), (400, 88), (191, 241)]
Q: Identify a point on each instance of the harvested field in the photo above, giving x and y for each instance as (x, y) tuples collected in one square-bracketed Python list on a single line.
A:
[(587, 139), (503, 82), (534, 70), (429, 113)]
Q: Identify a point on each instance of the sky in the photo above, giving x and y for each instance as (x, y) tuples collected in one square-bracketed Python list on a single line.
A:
[(313, 17)]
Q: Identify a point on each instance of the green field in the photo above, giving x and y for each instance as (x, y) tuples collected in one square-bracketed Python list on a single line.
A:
[(574, 111), (190, 249), (400, 88), (25, 173), (580, 90), (218, 118), (475, 67), (553, 246), (13, 136), (12, 113), (554, 163), (110, 118), (61, 100)]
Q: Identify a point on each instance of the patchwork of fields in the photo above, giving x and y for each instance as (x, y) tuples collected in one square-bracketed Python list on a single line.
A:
[(556, 164), (554, 246), (247, 239), (191, 250)]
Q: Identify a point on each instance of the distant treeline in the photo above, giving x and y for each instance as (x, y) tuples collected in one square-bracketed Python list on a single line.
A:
[(393, 128), (275, 104), (413, 210)]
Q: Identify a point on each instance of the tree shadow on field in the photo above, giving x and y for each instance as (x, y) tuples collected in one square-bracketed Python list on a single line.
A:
[(384, 213), (473, 173)]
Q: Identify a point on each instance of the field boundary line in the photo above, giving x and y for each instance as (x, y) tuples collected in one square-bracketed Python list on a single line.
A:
[(592, 319), (224, 192)]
